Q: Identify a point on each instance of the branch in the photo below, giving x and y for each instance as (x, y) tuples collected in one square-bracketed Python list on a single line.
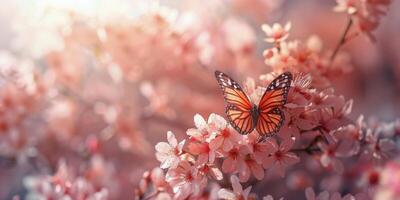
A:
[(342, 40)]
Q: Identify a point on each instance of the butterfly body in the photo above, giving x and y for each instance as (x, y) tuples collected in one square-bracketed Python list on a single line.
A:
[(255, 113), (267, 117)]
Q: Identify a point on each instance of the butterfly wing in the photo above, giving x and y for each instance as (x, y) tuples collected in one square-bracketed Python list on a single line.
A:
[(271, 116), (239, 108)]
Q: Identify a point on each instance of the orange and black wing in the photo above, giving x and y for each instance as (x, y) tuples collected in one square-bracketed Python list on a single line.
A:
[(271, 116), (239, 108)]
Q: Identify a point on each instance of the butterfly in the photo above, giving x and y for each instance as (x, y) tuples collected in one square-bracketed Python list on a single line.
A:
[(267, 117)]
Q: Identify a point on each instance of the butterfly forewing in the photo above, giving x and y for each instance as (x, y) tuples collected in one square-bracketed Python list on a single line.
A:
[(239, 107), (270, 123), (271, 117), (276, 93)]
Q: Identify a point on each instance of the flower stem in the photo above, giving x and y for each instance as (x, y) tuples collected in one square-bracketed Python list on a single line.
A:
[(342, 40)]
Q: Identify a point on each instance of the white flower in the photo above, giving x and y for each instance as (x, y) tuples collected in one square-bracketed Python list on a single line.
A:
[(168, 153)]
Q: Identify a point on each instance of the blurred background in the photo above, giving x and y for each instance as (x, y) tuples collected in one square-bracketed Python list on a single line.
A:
[(96, 84)]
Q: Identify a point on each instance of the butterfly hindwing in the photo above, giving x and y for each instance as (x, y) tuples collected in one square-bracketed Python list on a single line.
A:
[(271, 116), (241, 120), (239, 107), (270, 123)]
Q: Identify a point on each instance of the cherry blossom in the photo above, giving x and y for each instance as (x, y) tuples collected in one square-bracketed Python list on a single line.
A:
[(185, 180), (276, 33), (280, 156), (168, 153), (63, 184), (232, 160), (249, 166), (88, 90), (378, 148), (389, 185), (237, 193), (329, 158), (310, 195)]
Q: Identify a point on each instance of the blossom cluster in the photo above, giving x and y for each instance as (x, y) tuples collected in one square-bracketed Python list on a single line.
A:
[(65, 185), (317, 124), (366, 13), (88, 89)]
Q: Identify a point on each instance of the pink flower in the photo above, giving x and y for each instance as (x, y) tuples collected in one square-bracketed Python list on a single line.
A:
[(63, 185), (325, 195), (168, 153), (378, 148), (329, 157), (248, 166), (389, 187), (280, 157), (199, 133), (349, 6), (212, 171), (232, 160), (276, 33), (157, 177), (206, 131), (371, 178), (269, 197), (185, 180), (351, 135), (237, 194), (225, 140), (366, 13), (203, 151), (153, 182), (258, 149)]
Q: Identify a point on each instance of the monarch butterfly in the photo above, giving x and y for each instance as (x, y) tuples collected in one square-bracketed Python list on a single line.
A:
[(267, 118)]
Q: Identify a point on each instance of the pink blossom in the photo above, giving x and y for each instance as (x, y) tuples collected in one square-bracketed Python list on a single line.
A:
[(237, 194), (389, 187), (249, 166), (259, 150), (185, 180), (276, 33), (351, 135), (206, 131), (211, 171), (325, 195), (348, 6), (378, 148), (366, 13), (329, 157), (280, 157), (168, 153), (232, 159), (225, 139), (63, 184), (203, 151), (269, 197)]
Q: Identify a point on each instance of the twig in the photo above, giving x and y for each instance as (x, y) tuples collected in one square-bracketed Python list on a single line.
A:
[(342, 40), (309, 149)]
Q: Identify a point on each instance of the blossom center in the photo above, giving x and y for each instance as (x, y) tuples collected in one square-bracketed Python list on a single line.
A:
[(225, 133), (189, 177), (233, 154), (373, 178), (278, 155)]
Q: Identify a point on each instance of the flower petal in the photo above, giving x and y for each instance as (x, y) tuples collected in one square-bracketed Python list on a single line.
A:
[(163, 147), (237, 187), (171, 139), (226, 194)]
